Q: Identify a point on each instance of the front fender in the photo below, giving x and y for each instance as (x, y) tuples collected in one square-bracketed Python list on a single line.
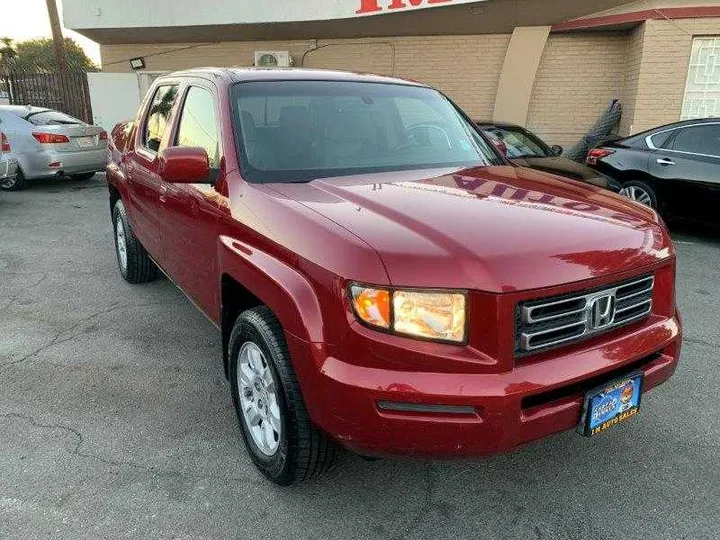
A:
[(279, 286)]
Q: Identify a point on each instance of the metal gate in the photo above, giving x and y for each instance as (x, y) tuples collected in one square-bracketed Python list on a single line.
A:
[(66, 92)]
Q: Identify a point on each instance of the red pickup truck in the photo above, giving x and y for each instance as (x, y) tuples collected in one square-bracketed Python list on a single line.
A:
[(382, 278)]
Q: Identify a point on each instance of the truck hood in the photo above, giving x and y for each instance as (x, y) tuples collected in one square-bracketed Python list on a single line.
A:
[(497, 229)]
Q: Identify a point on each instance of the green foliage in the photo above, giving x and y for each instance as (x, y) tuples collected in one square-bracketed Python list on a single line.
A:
[(7, 51), (38, 56)]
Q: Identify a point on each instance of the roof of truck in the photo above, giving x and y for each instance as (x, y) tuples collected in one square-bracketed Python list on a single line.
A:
[(284, 74)]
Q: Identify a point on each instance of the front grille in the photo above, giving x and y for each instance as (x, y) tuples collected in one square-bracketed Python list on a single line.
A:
[(553, 322)]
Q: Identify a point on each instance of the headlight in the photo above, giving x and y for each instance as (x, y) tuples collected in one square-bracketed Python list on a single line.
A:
[(433, 315)]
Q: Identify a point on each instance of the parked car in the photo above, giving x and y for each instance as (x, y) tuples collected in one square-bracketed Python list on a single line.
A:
[(381, 278), (674, 168), (49, 143), (522, 147), (8, 165)]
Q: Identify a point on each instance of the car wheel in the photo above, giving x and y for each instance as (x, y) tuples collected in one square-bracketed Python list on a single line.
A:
[(135, 264), (640, 192), (83, 176), (14, 184), (276, 428)]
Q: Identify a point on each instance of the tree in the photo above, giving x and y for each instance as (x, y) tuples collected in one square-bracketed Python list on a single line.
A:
[(7, 52), (38, 55)]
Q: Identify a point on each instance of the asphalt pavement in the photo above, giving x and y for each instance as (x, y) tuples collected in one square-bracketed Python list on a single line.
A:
[(116, 420)]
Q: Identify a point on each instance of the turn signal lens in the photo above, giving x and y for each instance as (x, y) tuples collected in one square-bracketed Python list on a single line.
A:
[(102, 135), (430, 315), (371, 305), (433, 315)]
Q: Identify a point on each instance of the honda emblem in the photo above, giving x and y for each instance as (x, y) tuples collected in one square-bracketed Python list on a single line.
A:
[(601, 311)]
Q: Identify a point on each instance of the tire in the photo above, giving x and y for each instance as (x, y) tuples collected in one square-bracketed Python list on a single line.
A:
[(82, 177), (134, 263), (297, 450), (16, 184), (640, 192)]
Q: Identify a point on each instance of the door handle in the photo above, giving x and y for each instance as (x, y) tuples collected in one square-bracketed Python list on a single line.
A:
[(665, 161), (163, 192)]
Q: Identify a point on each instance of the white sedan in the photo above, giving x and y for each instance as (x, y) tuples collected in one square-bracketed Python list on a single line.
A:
[(47, 143)]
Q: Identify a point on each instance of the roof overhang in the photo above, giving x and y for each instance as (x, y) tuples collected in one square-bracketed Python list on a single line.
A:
[(138, 21)]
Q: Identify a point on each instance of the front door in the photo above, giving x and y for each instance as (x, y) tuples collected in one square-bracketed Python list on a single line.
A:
[(691, 165), (189, 212), (141, 169)]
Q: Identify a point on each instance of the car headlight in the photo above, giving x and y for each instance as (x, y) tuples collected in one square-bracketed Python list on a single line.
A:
[(434, 315)]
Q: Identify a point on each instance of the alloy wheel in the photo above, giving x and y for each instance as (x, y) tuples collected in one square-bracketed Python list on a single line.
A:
[(9, 182), (637, 194), (258, 392), (121, 243)]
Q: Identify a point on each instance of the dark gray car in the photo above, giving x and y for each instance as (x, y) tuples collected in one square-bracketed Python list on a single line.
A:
[(524, 148)]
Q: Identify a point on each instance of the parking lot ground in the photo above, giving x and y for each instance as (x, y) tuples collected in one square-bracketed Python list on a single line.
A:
[(116, 420)]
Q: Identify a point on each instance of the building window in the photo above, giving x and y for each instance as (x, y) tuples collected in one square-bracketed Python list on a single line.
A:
[(702, 92)]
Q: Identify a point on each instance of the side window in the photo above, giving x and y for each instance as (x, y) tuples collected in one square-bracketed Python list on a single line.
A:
[(704, 139), (198, 125), (158, 118), (661, 139)]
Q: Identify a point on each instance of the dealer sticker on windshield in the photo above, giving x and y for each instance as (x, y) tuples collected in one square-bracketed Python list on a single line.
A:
[(611, 404)]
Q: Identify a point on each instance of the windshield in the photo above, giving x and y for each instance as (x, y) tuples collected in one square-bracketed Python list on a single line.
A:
[(518, 143), (296, 131)]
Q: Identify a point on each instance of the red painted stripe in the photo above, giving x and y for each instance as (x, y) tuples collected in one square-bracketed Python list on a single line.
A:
[(639, 16)]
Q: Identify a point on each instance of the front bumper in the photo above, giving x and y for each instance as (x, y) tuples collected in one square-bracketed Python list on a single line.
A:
[(508, 409)]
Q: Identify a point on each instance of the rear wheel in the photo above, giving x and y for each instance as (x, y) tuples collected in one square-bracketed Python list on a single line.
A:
[(83, 176), (640, 192), (282, 442), (14, 184), (134, 262)]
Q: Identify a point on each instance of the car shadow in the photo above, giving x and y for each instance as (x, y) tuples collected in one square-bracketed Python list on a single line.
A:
[(692, 231), (64, 183)]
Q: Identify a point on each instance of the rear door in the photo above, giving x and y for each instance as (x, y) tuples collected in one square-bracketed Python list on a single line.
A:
[(189, 212), (141, 168), (690, 161)]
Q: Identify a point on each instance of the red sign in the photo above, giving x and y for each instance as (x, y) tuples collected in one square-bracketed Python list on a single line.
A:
[(375, 6)]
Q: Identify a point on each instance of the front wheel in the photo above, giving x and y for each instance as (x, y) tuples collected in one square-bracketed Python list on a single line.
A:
[(276, 428), (640, 192), (135, 264)]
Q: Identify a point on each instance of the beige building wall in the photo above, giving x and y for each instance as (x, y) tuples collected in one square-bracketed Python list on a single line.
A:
[(663, 69), (519, 70), (467, 68), (580, 74), (633, 62)]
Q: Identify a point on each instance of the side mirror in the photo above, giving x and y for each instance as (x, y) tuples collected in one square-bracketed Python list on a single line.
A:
[(556, 150), (184, 165)]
